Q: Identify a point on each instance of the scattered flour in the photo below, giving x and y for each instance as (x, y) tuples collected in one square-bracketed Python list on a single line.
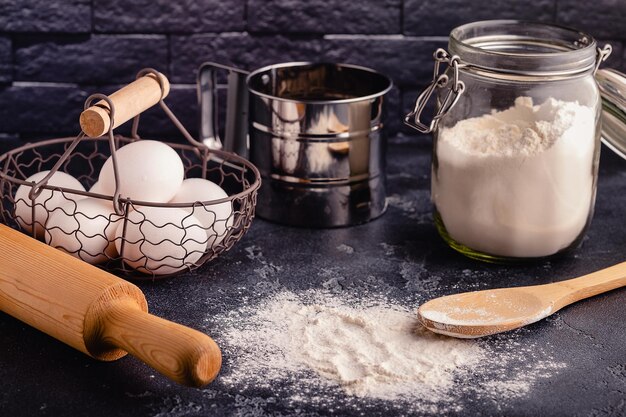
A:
[(519, 182), (345, 248), (311, 343)]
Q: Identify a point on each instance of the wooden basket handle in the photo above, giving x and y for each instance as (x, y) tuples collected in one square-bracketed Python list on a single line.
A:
[(128, 102)]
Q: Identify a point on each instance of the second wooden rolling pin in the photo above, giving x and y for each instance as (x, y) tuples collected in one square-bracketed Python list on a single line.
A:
[(96, 312)]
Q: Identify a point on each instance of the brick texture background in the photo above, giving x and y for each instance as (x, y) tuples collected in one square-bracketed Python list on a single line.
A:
[(54, 53)]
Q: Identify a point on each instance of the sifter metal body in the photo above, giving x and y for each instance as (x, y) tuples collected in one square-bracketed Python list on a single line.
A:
[(315, 131)]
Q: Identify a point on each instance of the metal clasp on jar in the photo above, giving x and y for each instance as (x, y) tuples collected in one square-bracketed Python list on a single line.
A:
[(452, 97), (439, 81)]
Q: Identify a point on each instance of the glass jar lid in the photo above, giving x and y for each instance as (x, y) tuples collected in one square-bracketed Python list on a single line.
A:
[(612, 84), (523, 48)]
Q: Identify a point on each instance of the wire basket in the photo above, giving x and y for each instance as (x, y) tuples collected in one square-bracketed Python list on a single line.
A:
[(142, 247)]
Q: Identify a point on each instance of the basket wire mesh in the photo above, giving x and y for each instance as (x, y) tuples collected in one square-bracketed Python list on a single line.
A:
[(129, 241)]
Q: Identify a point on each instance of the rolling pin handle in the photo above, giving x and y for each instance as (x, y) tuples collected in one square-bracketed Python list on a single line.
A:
[(182, 354)]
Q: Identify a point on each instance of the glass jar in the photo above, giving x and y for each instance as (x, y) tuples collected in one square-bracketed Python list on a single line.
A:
[(516, 138)]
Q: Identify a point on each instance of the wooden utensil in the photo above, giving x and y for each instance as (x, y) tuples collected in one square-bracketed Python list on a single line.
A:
[(128, 101), (481, 313), (96, 312)]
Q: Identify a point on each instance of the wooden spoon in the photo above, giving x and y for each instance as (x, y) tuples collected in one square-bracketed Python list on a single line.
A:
[(481, 313)]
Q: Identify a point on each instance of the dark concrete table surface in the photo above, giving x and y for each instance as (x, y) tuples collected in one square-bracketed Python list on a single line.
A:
[(40, 376)]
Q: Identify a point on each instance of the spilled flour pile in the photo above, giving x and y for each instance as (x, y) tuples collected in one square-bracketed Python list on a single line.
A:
[(375, 352), (313, 343)]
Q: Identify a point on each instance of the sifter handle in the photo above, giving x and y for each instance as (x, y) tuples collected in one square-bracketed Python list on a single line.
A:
[(236, 128), (182, 354), (128, 102)]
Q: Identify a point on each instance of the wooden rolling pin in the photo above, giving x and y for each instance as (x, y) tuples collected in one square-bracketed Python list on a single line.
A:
[(128, 102), (96, 312)]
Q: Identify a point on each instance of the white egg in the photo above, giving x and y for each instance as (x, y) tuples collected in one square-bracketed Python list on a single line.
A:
[(85, 229), (47, 201), (97, 189), (215, 218), (161, 240), (148, 171)]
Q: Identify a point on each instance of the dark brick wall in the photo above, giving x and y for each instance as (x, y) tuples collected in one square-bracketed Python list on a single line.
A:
[(54, 53)]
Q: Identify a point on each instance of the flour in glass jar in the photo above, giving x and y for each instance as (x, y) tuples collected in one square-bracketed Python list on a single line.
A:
[(518, 182)]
